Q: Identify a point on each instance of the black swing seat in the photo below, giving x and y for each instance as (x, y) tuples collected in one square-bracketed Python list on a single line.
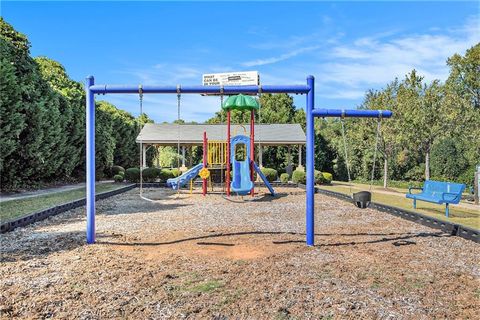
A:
[(362, 199)]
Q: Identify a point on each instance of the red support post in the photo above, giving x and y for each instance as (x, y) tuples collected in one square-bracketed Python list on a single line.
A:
[(205, 146), (228, 154), (252, 149)]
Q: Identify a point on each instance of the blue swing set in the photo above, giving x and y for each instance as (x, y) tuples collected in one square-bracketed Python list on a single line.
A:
[(241, 169)]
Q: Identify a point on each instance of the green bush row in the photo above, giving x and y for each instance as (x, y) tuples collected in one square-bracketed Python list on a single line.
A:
[(320, 177), (270, 174), (151, 174), (284, 177)]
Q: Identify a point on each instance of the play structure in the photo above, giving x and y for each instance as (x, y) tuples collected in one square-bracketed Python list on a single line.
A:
[(438, 192), (238, 154)]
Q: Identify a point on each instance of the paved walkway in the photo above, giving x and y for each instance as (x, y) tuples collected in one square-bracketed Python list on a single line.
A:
[(36, 193)]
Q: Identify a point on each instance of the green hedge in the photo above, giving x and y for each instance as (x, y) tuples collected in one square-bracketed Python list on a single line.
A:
[(323, 177), (270, 174), (299, 177), (284, 177), (165, 174), (117, 170), (176, 172), (327, 177), (118, 178), (149, 174), (132, 175)]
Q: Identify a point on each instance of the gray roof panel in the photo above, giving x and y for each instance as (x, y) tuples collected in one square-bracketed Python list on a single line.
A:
[(268, 134)]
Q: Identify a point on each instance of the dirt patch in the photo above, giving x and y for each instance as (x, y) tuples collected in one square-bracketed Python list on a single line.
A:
[(197, 257)]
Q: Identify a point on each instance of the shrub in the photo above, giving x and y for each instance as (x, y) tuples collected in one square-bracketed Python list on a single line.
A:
[(284, 177), (117, 170), (468, 176), (417, 173), (318, 177), (165, 174), (299, 177), (132, 175), (270, 174), (118, 178), (149, 174), (327, 177), (176, 172)]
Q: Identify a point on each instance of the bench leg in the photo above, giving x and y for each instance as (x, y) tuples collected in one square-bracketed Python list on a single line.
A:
[(446, 210), (414, 203)]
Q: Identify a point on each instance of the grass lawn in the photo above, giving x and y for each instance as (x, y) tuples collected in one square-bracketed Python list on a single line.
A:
[(464, 216), (12, 209)]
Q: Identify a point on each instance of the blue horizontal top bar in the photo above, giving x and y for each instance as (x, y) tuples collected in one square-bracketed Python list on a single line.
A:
[(351, 113), (104, 89)]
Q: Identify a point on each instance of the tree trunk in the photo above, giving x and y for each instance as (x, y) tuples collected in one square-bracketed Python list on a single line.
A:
[(385, 173), (427, 165)]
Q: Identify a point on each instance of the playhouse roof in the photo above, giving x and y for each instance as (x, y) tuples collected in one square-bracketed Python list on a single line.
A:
[(240, 102), (192, 134)]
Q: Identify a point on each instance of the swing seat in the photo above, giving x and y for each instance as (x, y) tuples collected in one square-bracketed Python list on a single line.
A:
[(362, 199)]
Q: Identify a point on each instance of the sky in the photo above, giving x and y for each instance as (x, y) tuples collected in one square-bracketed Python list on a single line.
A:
[(350, 47)]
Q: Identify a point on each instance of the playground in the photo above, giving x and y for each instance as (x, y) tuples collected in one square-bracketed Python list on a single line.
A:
[(290, 163), (205, 257)]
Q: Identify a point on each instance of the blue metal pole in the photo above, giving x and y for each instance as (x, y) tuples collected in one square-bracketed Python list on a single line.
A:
[(354, 113), (90, 142), (104, 89), (310, 164)]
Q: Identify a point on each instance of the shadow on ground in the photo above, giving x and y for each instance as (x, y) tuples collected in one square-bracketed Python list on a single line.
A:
[(396, 238)]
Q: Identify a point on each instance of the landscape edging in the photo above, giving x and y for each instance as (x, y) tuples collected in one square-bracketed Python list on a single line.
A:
[(43, 214)]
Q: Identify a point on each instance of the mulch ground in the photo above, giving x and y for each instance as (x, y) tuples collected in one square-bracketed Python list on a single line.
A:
[(191, 257)]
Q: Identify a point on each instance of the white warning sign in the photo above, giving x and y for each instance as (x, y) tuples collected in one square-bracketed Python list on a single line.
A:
[(243, 78)]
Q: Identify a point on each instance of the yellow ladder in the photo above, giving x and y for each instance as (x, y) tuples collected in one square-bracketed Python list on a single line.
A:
[(217, 152)]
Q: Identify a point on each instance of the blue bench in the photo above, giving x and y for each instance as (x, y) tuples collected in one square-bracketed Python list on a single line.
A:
[(438, 192)]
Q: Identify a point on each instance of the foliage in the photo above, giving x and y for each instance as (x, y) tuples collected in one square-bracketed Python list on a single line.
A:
[(167, 157), (318, 176), (299, 177), (327, 177), (468, 176), (284, 177), (270, 174), (447, 160), (176, 172), (42, 121), (117, 170), (118, 178), (150, 174), (132, 175), (165, 174), (323, 177)]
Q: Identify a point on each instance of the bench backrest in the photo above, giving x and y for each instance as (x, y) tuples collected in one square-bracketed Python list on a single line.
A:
[(431, 186)]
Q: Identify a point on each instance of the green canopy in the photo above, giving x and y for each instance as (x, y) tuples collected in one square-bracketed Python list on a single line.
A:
[(240, 102)]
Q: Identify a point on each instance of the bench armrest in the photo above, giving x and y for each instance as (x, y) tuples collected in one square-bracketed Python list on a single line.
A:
[(413, 188), (450, 193)]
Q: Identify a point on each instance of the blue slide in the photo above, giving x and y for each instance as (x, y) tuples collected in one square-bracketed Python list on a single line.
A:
[(180, 181), (241, 183), (269, 186)]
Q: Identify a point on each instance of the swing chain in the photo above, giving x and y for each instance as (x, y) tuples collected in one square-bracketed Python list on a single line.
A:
[(259, 118), (178, 125), (347, 163), (377, 137), (222, 145), (140, 93)]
